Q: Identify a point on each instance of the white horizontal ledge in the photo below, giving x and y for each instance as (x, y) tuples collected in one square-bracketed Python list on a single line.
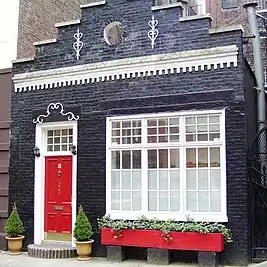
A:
[(67, 23), (162, 64), (167, 6), (44, 42), (21, 60), (98, 3), (226, 29), (196, 17)]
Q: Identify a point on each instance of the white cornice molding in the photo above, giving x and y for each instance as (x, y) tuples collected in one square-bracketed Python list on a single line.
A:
[(44, 42), (196, 17), (22, 60), (226, 29), (98, 3), (162, 64), (67, 23)]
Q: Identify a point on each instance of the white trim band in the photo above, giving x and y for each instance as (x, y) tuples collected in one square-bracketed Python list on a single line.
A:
[(162, 64), (44, 42), (67, 23), (103, 2)]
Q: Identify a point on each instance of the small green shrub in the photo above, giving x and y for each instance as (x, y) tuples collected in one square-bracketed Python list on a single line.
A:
[(83, 229), (14, 225)]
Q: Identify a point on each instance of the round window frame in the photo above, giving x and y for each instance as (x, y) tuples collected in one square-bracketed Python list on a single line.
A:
[(108, 27)]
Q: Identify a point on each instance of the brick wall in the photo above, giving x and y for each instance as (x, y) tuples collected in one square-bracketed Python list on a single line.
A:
[(37, 19), (208, 89)]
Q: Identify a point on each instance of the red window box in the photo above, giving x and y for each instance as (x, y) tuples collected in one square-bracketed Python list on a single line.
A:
[(213, 242)]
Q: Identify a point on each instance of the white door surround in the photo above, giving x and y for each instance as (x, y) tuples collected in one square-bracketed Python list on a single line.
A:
[(39, 176)]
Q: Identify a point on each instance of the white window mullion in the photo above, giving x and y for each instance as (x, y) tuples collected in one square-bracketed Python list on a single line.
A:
[(144, 164), (182, 167), (108, 168)]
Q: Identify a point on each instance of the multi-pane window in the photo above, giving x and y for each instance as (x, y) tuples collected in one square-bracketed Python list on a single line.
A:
[(170, 165), (230, 4), (59, 140)]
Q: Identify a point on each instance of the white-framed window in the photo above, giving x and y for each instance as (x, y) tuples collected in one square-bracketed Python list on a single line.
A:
[(58, 140), (168, 165)]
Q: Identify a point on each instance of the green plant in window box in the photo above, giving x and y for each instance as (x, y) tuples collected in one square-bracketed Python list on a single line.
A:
[(117, 226)]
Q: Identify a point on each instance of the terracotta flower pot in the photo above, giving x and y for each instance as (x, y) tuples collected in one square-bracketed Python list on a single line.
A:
[(15, 244), (84, 249)]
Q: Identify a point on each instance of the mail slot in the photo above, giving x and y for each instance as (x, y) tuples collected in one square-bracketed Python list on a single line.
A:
[(59, 207)]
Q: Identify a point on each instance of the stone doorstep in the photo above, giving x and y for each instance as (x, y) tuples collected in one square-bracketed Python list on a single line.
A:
[(47, 251)]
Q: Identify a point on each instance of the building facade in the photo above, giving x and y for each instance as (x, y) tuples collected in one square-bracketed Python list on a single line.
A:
[(6, 87), (129, 118)]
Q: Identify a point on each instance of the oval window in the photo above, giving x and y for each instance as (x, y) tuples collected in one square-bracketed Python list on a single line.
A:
[(113, 33)]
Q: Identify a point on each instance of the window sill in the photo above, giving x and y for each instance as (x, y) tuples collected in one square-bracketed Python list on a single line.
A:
[(203, 16), (167, 216), (167, 6)]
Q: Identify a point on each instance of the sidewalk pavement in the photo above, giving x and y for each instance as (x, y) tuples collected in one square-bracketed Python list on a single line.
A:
[(24, 260)]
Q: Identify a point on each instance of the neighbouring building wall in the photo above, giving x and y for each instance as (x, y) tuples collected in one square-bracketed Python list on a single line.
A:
[(37, 19), (5, 98)]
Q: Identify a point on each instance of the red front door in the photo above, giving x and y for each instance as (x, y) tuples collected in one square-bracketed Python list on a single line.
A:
[(58, 191)]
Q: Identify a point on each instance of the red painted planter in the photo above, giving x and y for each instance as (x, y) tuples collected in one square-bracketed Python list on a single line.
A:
[(213, 242)]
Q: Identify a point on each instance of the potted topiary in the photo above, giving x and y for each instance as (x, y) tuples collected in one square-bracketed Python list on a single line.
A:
[(82, 233), (14, 230)]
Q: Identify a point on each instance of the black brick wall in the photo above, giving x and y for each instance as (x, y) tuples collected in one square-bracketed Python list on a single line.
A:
[(208, 89)]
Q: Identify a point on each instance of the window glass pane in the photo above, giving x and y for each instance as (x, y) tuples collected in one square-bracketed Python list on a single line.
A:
[(202, 137), (136, 140), (115, 180), (126, 200), (65, 132), (190, 137), (70, 132), (214, 119), (64, 148), (136, 159), (152, 131), (191, 201), (50, 133), (203, 201), (229, 3), (152, 139), (190, 120), (162, 122), (175, 180), (202, 120), (151, 123), (50, 141), (116, 124), (152, 201), (115, 159), (174, 138), (215, 157), (126, 159), (70, 139), (163, 139), (115, 200), (136, 201), (163, 201), (174, 158), (152, 180), (174, 121), (214, 127), (214, 137), (215, 179), (50, 148), (57, 140), (191, 180), (126, 124), (57, 133), (152, 159), (163, 180), (203, 158), (115, 141), (163, 158), (203, 180), (202, 128), (56, 147), (126, 140), (175, 201), (64, 139), (191, 158), (163, 130), (126, 180), (190, 129), (215, 201), (136, 124), (174, 130), (116, 132), (136, 180), (126, 132)]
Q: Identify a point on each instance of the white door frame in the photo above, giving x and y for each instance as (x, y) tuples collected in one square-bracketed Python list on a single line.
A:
[(39, 176)]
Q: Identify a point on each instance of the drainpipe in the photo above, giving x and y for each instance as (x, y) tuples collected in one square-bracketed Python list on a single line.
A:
[(256, 43)]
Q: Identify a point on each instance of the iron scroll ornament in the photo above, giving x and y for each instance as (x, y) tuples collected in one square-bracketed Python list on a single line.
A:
[(56, 106)]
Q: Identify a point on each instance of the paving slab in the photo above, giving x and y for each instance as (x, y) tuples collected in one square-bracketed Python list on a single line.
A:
[(7, 260)]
